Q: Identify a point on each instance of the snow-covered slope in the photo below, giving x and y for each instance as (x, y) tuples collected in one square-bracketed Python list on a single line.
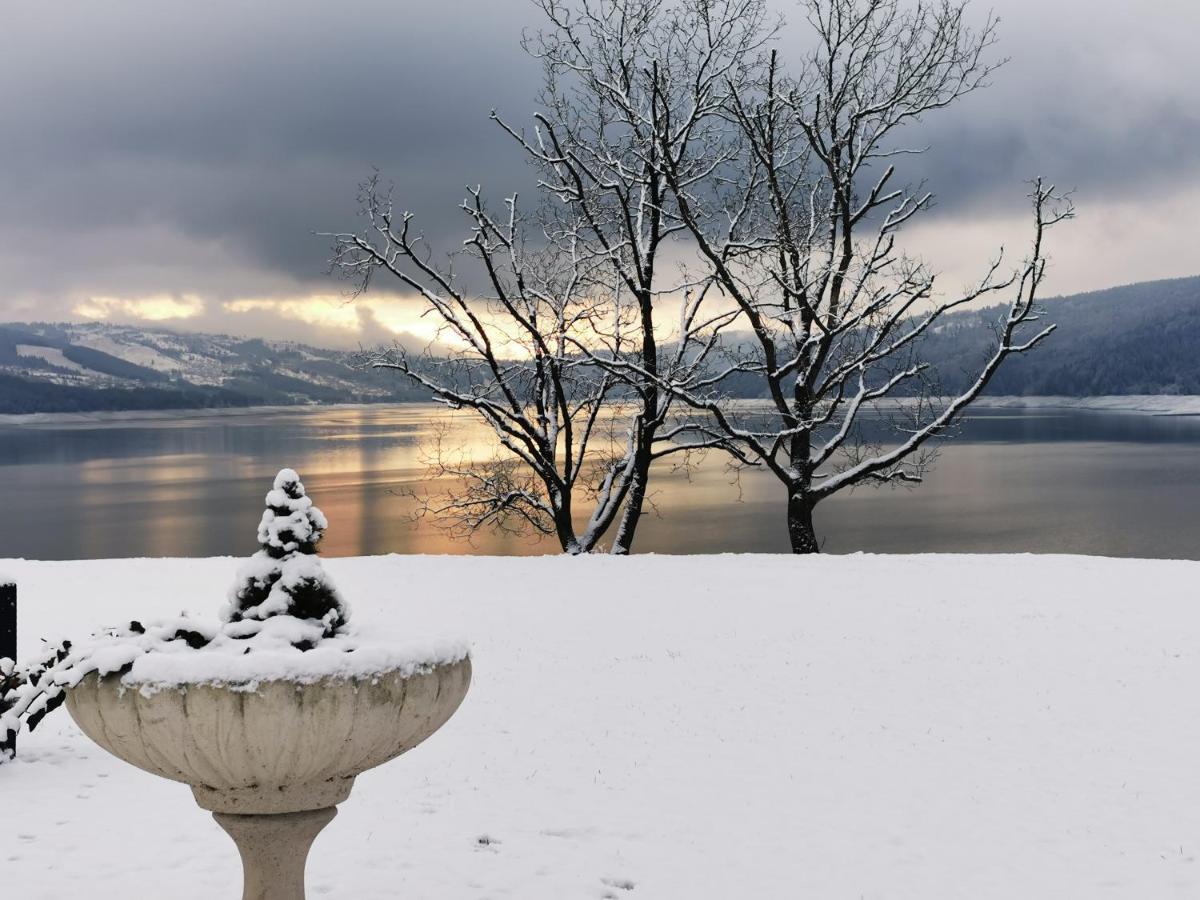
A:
[(97, 366), (707, 728), (140, 348), (51, 355)]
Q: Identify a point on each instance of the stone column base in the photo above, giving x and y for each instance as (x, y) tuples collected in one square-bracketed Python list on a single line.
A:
[(274, 850)]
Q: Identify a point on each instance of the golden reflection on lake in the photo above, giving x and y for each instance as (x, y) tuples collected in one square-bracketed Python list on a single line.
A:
[(193, 485)]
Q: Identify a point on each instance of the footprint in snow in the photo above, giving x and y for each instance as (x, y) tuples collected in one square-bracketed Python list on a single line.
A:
[(623, 884)]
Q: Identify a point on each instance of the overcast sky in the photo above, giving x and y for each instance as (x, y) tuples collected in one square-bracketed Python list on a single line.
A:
[(167, 161)]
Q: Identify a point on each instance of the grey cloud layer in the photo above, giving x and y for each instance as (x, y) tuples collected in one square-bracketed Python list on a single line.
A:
[(246, 125), (170, 147)]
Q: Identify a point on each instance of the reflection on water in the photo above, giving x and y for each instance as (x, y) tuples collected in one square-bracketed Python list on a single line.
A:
[(1046, 481)]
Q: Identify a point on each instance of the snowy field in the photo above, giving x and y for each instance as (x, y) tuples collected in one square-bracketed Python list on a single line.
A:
[(699, 728)]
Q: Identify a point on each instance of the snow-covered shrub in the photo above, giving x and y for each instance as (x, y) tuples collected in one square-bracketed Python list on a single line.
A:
[(282, 607), (285, 577), (28, 693)]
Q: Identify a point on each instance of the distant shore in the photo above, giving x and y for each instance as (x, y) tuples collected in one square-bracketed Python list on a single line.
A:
[(1146, 404), (1152, 404), (221, 412)]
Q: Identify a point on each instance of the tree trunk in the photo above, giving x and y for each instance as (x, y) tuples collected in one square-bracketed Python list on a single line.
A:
[(564, 526), (634, 500), (647, 426), (799, 510), (800, 524)]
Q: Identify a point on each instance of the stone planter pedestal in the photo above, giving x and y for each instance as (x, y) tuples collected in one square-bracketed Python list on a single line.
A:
[(270, 764)]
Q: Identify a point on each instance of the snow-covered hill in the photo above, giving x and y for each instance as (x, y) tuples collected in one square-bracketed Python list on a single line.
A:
[(96, 366), (659, 728)]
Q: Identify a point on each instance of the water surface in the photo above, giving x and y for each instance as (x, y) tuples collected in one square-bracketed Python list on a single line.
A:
[(1042, 481)]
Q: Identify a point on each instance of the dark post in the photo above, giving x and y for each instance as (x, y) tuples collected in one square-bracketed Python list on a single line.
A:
[(8, 646), (8, 621)]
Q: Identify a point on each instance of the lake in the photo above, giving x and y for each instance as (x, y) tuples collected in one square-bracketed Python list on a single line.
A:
[(191, 484)]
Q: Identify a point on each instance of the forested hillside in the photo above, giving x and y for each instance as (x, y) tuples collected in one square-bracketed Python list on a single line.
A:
[(1137, 339)]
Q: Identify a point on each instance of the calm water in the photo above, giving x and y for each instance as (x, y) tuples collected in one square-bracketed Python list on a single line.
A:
[(1046, 481)]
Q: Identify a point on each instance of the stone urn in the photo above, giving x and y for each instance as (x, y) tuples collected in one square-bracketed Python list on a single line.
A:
[(271, 762)]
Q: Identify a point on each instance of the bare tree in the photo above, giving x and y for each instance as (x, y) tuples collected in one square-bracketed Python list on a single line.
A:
[(567, 428), (625, 82), (504, 357), (629, 85), (799, 233)]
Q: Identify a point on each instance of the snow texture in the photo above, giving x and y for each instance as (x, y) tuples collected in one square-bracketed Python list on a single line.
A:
[(186, 650), (908, 728), (52, 355), (132, 352)]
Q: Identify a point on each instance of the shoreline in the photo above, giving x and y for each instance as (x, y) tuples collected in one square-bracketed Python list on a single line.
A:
[(1144, 404), (99, 417)]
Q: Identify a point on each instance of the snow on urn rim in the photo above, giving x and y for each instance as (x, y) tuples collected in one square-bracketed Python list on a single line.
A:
[(155, 658)]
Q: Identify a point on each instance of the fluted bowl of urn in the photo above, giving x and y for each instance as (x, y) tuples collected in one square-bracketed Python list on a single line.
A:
[(271, 763), (279, 747)]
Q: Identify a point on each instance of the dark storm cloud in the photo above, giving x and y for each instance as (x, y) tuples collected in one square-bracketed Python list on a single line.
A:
[(249, 124), (154, 146)]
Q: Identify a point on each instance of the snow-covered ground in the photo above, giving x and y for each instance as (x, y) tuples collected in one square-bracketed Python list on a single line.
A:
[(140, 354), (52, 355), (694, 727)]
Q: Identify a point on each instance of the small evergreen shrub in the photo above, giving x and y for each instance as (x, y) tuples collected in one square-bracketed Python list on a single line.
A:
[(285, 577)]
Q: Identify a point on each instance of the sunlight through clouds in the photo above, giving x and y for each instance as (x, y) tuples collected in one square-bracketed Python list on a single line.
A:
[(157, 308), (366, 317), (329, 312)]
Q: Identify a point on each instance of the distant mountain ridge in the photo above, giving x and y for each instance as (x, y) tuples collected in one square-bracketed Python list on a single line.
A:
[(97, 366), (1136, 339)]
